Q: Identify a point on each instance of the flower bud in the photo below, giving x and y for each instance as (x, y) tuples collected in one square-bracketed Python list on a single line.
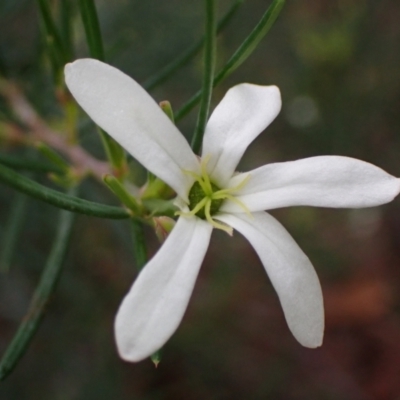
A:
[(163, 226)]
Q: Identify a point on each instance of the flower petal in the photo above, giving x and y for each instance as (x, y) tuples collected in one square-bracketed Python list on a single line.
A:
[(152, 310), (290, 271), (326, 181), (244, 112), (126, 111)]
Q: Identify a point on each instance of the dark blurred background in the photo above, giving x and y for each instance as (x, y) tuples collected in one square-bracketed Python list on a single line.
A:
[(337, 65)]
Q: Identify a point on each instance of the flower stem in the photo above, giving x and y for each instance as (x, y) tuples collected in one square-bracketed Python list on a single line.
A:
[(139, 244), (40, 299), (241, 54), (208, 74)]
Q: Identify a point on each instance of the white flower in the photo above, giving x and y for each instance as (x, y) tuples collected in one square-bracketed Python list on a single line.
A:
[(156, 303)]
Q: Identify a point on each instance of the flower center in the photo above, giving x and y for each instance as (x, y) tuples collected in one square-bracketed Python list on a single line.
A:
[(206, 198), (197, 195)]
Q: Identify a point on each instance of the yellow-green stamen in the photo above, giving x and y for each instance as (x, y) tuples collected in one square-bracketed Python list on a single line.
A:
[(206, 198)]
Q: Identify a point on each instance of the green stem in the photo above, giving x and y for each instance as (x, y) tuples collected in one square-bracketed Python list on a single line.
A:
[(58, 199), (240, 55), (40, 299), (208, 75), (188, 54), (139, 244)]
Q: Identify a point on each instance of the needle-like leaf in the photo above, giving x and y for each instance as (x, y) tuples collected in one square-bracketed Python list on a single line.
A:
[(241, 54), (181, 60), (40, 299), (58, 199)]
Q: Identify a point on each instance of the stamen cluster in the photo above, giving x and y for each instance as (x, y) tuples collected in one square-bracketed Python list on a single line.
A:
[(206, 198)]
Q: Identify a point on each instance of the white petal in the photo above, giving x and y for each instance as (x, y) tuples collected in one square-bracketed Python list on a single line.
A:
[(127, 113), (152, 310), (290, 271), (326, 181), (244, 112)]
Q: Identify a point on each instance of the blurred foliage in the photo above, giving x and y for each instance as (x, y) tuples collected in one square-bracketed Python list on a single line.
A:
[(337, 65)]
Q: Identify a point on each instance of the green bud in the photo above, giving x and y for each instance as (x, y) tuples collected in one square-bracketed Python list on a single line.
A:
[(167, 108), (156, 188), (156, 358), (160, 207), (163, 226)]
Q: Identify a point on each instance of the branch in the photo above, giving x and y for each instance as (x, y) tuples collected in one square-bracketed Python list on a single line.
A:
[(81, 160)]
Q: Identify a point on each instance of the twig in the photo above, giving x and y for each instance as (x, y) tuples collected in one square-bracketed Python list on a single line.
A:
[(81, 160)]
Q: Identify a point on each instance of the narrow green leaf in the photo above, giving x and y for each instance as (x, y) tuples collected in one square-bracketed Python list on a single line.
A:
[(58, 199), (162, 75), (53, 33), (28, 164), (208, 74), (241, 54), (48, 50), (66, 19), (3, 65), (119, 190), (252, 41), (188, 106), (92, 28), (40, 299), (115, 153), (53, 156), (12, 231), (55, 63)]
